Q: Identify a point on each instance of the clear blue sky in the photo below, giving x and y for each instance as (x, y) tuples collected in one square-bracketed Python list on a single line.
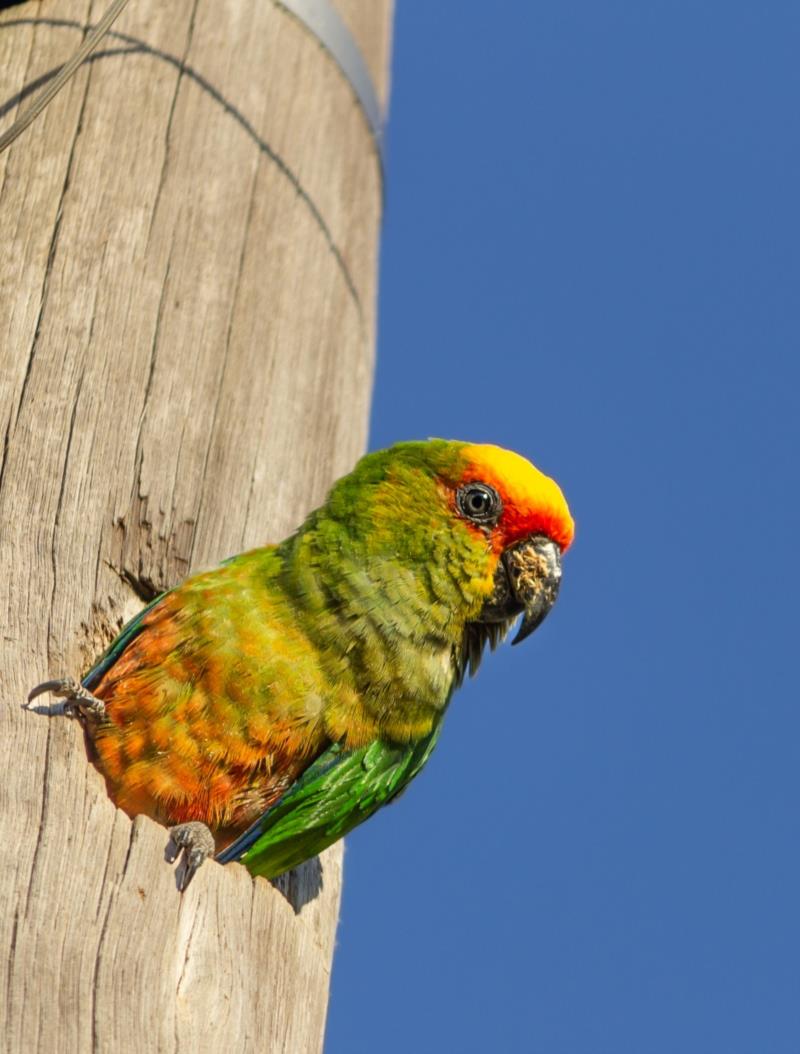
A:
[(591, 254)]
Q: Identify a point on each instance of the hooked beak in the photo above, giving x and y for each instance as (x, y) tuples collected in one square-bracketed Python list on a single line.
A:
[(526, 582), (534, 570)]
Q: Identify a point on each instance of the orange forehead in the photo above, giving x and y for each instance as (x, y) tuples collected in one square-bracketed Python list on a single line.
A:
[(531, 501)]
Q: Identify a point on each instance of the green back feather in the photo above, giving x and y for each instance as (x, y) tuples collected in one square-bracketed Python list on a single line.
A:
[(340, 790)]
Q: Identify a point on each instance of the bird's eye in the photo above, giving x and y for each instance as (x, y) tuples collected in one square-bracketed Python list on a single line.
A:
[(479, 502)]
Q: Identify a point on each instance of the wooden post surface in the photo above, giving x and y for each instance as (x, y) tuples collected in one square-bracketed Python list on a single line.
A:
[(187, 303)]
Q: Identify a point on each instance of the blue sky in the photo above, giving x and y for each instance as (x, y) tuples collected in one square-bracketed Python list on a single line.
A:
[(591, 255)]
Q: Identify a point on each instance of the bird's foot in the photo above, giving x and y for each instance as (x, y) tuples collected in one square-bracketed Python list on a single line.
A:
[(196, 842), (78, 701)]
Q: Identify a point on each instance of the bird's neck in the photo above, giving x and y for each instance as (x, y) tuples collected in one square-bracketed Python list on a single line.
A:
[(389, 628)]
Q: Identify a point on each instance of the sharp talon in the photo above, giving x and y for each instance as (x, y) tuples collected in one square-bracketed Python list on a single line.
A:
[(195, 843), (78, 700), (40, 689)]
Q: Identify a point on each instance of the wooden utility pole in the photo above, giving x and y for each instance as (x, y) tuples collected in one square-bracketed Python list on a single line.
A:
[(188, 239)]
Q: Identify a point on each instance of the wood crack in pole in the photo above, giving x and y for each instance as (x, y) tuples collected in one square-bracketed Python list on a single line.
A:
[(187, 320)]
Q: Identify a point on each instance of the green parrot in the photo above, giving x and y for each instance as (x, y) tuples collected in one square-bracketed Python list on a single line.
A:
[(266, 707)]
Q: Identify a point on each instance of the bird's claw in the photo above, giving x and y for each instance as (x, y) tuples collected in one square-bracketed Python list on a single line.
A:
[(78, 701), (194, 843)]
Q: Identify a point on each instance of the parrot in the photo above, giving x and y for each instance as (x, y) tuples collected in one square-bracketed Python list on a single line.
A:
[(266, 707)]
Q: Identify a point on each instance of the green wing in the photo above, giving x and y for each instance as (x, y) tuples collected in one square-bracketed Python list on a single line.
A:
[(339, 790)]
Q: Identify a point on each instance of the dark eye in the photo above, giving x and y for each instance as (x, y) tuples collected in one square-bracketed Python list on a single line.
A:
[(479, 503)]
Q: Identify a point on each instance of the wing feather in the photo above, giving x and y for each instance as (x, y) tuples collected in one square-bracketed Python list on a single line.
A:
[(334, 794)]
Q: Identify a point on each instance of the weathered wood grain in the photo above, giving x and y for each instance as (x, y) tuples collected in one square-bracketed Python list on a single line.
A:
[(187, 313)]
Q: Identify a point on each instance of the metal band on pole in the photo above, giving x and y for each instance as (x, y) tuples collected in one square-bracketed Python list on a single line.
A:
[(322, 19)]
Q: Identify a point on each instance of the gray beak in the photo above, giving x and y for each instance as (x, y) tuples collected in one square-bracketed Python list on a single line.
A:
[(534, 574), (526, 583)]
